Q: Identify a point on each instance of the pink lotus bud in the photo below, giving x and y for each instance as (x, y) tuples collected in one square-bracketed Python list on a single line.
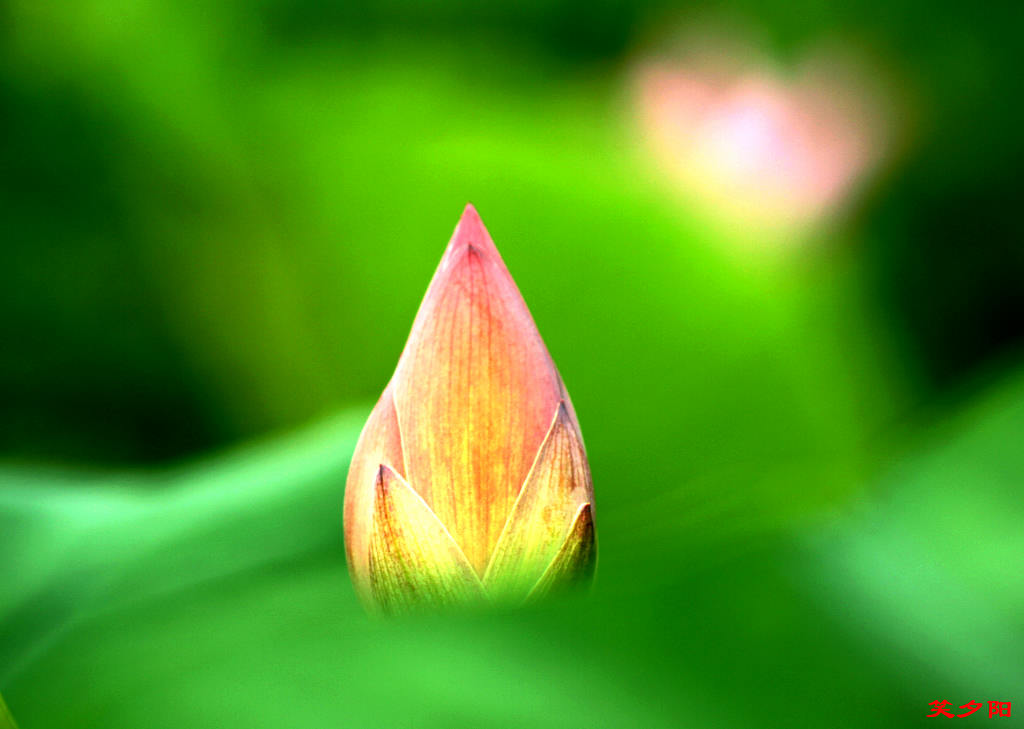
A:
[(470, 480)]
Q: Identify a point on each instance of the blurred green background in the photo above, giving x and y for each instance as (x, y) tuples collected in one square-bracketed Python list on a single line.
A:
[(805, 432)]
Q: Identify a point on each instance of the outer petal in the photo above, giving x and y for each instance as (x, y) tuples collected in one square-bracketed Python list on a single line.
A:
[(576, 559), (379, 443), (556, 489), (414, 561), (474, 391)]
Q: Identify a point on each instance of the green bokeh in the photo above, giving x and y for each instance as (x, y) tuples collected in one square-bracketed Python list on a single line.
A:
[(221, 599), (219, 219)]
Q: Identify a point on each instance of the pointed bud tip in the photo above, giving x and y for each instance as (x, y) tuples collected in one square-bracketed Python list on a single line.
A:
[(469, 213), (470, 236)]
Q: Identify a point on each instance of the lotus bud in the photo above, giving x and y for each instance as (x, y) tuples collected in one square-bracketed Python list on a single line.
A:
[(470, 480)]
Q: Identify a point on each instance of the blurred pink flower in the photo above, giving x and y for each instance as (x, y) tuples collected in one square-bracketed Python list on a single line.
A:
[(761, 147)]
